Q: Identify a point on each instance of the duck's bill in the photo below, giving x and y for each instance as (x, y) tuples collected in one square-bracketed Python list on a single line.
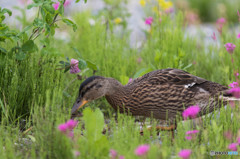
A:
[(78, 105)]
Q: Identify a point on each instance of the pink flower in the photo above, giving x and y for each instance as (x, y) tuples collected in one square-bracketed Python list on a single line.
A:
[(221, 21), (130, 80), (228, 135), (191, 134), (149, 20), (214, 36), (238, 36), (121, 157), (230, 47), (71, 124), (185, 154), (169, 10), (235, 92), (233, 85), (56, 5), (67, 3), (76, 153), (113, 154), (188, 137), (142, 150), (191, 112), (237, 74), (63, 128), (74, 66), (67, 128), (233, 146)]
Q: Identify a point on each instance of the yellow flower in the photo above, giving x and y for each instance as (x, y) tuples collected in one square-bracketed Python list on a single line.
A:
[(118, 20), (142, 3), (165, 4)]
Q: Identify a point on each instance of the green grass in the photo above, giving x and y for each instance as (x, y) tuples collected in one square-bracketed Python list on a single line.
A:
[(33, 90)]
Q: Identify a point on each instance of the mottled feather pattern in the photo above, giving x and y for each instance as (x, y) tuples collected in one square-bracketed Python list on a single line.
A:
[(164, 91)]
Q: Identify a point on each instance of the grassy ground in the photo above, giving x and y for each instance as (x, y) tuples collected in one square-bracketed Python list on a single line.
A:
[(35, 97)]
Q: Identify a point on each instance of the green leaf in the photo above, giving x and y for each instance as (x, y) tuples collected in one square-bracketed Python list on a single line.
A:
[(124, 79), (38, 23), (142, 72), (34, 5), (5, 10), (94, 123), (70, 23), (21, 56), (82, 64), (49, 8), (2, 50), (92, 65), (28, 46)]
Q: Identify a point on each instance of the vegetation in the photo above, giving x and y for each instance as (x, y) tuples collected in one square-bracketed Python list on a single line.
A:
[(37, 91)]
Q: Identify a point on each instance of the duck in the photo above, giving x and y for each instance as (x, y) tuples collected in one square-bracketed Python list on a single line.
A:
[(162, 94)]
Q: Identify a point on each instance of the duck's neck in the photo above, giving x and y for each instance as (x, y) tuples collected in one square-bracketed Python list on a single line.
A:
[(116, 94)]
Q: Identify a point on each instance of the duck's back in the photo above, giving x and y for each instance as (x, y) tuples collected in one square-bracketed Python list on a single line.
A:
[(164, 93)]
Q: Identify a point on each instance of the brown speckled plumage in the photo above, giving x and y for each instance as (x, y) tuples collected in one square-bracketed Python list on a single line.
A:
[(161, 93)]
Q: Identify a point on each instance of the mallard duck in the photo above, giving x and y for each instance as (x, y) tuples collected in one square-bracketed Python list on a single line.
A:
[(161, 94)]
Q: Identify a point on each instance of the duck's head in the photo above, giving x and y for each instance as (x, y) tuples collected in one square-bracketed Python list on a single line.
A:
[(92, 88)]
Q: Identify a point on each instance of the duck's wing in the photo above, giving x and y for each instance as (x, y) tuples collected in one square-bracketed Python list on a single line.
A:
[(172, 77)]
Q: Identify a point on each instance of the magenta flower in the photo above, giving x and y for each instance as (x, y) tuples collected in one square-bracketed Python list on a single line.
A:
[(238, 36), (71, 124), (221, 21), (74, 66), (237, 74), (185, 154), (235, 92), (191, 112), (56, 5), (76, 153), (121, 157), (142, 150), (149, 20), (230, 47), (233, 85), (113, 154), (188, 137), (67, 3), (67, 128), (63, 128), (130, 80), (214, 36), (192, 132), (233, 146)]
